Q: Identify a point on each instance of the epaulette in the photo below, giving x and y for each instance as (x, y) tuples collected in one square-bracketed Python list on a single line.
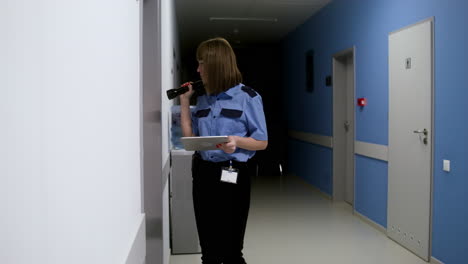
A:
[(249, 90)]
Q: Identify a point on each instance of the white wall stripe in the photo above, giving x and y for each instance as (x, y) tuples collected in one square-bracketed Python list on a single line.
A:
[(370, 150), (325, 141), (375, 151)]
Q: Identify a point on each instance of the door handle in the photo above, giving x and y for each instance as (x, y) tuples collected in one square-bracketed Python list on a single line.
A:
[(419, 131), (424, 132), (346, 126)]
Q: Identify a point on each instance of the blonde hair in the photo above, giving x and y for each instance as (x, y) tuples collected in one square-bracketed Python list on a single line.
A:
[(219, 65)]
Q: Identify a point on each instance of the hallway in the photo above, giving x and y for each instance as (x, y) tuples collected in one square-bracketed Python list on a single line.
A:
[(291, 223)]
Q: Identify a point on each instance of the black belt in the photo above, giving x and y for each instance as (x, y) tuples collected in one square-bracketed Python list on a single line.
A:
[(235, 164)]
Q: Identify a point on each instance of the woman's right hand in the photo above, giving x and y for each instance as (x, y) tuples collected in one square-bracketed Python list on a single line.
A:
[(185, 114), (186, 96)]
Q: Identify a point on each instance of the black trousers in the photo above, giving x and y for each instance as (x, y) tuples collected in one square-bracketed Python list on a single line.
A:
[(221, 210)]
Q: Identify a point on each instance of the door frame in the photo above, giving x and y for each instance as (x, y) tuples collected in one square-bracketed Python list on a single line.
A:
[(339, 182), (150, 125)]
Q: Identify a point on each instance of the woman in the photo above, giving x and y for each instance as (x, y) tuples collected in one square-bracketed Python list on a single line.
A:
[(221, 180)]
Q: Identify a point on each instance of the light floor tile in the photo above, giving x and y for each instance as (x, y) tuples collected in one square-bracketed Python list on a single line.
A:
[(291, 223)]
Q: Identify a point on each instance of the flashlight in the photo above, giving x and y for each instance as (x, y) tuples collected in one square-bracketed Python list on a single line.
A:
[(197, 86)]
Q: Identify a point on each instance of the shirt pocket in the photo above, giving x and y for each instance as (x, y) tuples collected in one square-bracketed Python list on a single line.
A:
[(202, 113), (231, 113), (231, 122)]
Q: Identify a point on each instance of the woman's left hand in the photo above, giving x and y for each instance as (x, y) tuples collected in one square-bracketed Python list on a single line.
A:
[(230, 146)]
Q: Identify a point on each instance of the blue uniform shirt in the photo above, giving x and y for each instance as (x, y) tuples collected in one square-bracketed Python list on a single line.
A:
[(235, 112)]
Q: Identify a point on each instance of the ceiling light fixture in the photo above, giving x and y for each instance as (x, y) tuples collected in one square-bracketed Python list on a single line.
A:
[(262, 19)]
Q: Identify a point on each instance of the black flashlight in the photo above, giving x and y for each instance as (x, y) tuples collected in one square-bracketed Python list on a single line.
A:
[(197, 86)]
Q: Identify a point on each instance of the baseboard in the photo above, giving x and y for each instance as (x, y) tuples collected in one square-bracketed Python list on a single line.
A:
[(371, 223), (435, 261), (137, 252), (383, 230), (314, 188), (321, 193)]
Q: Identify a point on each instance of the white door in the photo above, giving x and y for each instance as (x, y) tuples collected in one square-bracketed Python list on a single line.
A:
[(343, 126), (410, 137)]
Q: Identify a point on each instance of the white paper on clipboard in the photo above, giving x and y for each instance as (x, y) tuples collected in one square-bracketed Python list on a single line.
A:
[(202, 143)]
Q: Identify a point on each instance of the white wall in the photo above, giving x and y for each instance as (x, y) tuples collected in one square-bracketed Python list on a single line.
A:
[(70, 131), (170, 79)]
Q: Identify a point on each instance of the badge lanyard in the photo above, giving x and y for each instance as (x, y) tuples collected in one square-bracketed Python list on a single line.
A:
[(229, 174)]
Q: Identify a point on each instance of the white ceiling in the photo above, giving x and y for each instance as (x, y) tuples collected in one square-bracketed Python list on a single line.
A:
[(193, 18)]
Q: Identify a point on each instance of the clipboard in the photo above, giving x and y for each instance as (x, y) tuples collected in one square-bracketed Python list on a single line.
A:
[(202, 143)]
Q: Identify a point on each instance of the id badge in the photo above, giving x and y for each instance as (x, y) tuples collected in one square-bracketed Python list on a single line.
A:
[(229, 174)]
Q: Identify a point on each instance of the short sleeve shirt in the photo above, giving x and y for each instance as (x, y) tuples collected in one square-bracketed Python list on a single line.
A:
[(235, 112)]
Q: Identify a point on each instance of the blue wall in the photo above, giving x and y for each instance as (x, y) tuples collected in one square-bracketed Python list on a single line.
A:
[(318, 160), (371, 189), (366, 24)]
